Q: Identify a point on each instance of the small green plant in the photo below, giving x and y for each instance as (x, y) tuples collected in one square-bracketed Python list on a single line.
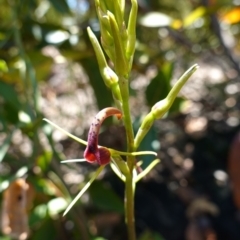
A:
[(118, 42)]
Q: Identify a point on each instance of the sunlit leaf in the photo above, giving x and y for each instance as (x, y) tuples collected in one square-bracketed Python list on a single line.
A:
[(43, 161), (5, 145), (47, 187), (74, 160), (56, 205), (60, 187), (57, 37), (155, 19), (4, 185), (24, 117), (117, 171), (232, 16), (193, 16), (21, 172), (3, 66), (67, 133), (40, 211), (146, 170)]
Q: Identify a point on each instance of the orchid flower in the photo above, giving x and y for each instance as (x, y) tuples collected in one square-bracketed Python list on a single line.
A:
[(101, 155), (118, 40)]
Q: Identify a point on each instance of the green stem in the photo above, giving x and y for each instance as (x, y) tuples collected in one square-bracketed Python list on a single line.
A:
[(129, 184), (123, 84), (129, 207)]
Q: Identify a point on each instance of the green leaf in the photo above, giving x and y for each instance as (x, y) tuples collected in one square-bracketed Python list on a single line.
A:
[(64, 131), (43, 161), (159, 85), (3, 66), (56, 205), (146, 170), (155, 19), (194, 15), (61, 6), (5, 145), (47, 230), (45, 186), (11, 103), (9, 94), (19, 174), (5, 238), (38, 214), (24, 117), (105, 198), (41, 64)]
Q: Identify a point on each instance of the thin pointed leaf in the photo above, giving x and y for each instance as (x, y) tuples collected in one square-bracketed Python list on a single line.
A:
[(134, 173), (117, 171), (139, 163), (115, 152), (179, 84), (132, 30), (144, 153), (58, 184), (121, 66), (74, 160), (146, 170), (88, 184), (67, 133), (4, 147)]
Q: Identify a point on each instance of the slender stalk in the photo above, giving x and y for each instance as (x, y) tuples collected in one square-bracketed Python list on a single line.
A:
[(129, 207), (123, 84), (129, 184), (122, 53)]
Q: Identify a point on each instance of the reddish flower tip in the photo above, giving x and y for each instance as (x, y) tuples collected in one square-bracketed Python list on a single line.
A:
[(93, 153)]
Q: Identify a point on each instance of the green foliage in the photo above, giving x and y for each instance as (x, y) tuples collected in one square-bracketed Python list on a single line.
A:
[(3, 66), (105, 199), (5, 146), (61, 6), (11, 104)]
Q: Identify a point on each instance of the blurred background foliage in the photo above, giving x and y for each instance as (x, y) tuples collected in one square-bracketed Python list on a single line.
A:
[(48, 69)]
